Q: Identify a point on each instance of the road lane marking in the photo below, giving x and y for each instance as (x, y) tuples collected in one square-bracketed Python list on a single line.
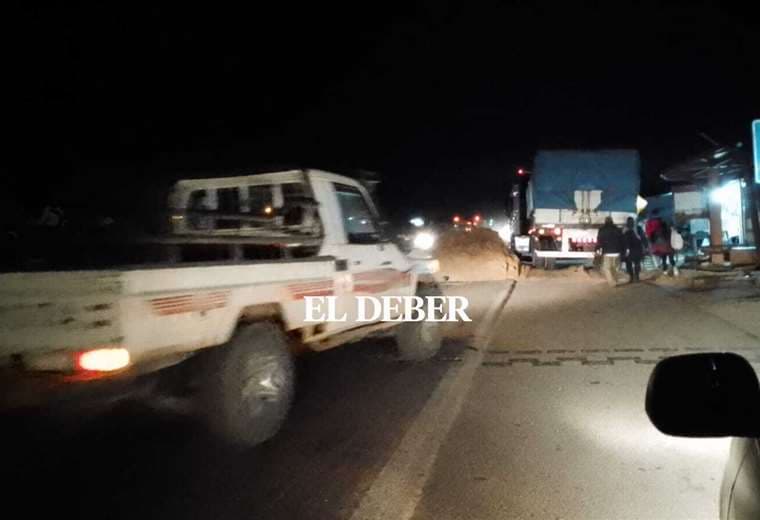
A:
[(399, 486)]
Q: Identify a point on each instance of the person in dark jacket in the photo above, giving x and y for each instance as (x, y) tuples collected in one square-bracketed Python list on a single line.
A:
[(633, 240), (609, 242)]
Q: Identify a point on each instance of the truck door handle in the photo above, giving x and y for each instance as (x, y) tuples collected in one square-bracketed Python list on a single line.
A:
[(387, 262), (357, 262)]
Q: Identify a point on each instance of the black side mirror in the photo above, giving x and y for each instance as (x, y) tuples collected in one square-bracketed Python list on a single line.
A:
[(704, 395)]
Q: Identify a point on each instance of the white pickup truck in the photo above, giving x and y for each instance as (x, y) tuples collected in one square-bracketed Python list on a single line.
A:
[(214, 309)]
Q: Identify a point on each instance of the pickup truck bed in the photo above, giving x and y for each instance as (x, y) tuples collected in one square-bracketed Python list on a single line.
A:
[(152, 312)]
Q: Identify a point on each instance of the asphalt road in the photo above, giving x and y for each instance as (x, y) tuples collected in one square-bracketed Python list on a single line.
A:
[(535, 410)]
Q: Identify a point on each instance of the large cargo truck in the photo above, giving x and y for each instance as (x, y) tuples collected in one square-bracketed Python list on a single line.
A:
[(558, 207)]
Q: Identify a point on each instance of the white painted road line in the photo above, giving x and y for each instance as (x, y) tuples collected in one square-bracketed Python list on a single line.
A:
[(398, 488)]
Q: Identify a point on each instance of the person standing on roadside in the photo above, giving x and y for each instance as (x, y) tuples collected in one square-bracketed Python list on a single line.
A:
[(609, 244), (658, 233), (676, 245), (633, 240)]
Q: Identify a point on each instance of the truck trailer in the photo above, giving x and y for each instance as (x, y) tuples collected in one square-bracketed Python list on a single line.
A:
[(558, 207)]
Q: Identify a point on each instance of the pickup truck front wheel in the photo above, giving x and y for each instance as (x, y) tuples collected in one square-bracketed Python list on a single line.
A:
[(418, 341), (249, 387)]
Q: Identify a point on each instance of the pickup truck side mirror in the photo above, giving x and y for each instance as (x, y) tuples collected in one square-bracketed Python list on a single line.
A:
[(386, 231), (704, 395)]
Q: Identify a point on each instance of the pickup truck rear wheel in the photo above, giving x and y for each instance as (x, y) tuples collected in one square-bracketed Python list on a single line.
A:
[(249, 387), (421, 340)]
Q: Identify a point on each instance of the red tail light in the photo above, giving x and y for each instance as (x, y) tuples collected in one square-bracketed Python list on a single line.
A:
[(102, 360)]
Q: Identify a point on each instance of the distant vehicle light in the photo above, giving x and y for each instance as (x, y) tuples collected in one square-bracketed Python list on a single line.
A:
[(557, 231), (541, 231), (424, 240), (417, 222), (476, 218), (520, 171), (103, 359), (456, 219), (268, 210)]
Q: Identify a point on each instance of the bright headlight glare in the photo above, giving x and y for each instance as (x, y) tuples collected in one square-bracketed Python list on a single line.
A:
[(424, 240)]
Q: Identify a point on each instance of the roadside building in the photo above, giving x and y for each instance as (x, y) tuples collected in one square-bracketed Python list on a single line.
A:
[(712, 202)]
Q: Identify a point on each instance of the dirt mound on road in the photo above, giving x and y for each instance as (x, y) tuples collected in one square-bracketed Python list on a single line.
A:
[(475, 256)]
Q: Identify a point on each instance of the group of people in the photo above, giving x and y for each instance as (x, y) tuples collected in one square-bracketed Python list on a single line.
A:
[(633, 243)]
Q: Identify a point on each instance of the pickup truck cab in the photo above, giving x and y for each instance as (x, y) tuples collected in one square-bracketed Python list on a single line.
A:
[(211, 308)]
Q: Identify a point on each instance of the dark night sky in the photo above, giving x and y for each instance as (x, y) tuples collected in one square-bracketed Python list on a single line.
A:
[(444, 99)]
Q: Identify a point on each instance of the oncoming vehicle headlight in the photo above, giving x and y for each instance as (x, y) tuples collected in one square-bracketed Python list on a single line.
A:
[(424, 240), (505, 233)]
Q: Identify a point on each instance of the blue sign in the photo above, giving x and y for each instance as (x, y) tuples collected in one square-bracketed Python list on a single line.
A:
[(756, 148)]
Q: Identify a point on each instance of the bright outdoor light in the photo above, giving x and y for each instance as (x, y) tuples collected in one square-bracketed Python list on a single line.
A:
[(424, 240), (724, 195), (641, 203)]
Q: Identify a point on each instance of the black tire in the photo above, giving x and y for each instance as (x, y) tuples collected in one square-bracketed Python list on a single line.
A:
[(249, 385), (418, 341)]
